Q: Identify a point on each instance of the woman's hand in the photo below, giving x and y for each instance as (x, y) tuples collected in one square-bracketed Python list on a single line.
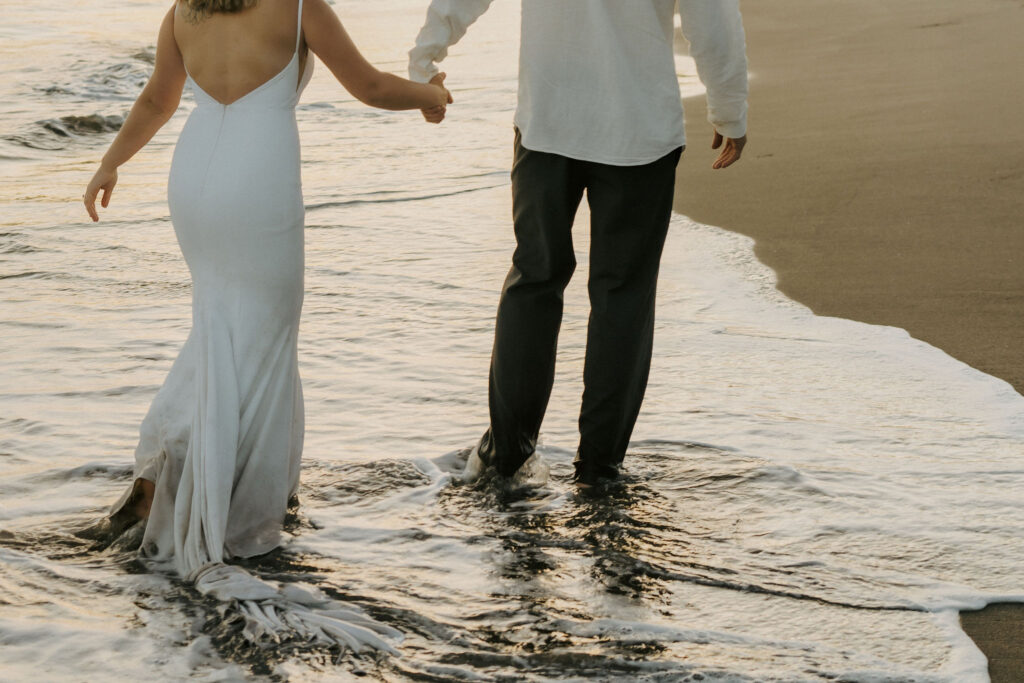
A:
[(104, 179), (438, 80), (329, 41), (436, 113)]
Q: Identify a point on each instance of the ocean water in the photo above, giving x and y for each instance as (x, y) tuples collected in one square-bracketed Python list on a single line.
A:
[(806, 498)]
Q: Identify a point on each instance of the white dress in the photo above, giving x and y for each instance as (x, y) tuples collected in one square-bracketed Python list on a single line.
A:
[(223, 438)]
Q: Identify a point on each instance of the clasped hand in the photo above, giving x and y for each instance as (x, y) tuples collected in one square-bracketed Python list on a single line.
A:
[(436, 114)]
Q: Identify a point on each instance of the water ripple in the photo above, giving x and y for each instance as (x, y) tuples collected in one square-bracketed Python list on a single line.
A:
[(391, 200)]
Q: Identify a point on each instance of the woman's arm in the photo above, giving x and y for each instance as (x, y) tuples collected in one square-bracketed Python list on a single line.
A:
[(330, 42), (157, 103)]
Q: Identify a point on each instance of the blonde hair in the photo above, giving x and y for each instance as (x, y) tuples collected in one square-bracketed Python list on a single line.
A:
[(204, 7)]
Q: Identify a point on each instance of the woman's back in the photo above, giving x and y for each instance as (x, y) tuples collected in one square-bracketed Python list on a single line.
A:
[(229, 54)]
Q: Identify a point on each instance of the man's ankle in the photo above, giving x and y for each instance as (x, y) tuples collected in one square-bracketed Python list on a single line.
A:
[(590, 473)]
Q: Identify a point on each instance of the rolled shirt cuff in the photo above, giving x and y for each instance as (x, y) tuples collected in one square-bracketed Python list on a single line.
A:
[(421, 71), (419, 75), (733, 129)]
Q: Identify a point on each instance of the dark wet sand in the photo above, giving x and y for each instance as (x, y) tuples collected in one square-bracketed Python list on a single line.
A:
[(884, 182)]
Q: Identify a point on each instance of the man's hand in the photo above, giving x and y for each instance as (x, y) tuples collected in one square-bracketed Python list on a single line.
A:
[(436, 114), (732, 151)]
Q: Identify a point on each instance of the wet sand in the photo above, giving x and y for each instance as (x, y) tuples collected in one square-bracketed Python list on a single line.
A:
[(884, 182)]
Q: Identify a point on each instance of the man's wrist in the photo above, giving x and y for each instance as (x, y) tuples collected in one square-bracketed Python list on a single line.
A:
[(422, 74), (734, 130)]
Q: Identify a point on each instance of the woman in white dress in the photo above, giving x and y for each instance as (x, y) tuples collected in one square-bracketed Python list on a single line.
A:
[(218, 457)]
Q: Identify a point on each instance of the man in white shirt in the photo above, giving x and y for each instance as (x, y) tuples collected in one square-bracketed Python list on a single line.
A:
[(599, 112)]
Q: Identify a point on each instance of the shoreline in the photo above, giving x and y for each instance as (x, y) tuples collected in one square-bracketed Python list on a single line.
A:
[(883, 179), (883, 183)]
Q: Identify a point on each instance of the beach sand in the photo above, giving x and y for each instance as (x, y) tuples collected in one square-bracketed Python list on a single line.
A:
[(884, 182)]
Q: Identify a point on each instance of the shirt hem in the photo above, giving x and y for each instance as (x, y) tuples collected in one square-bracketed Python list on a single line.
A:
[(600, 159)]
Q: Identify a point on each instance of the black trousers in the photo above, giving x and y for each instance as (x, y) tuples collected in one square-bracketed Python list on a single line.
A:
[(630, 209)]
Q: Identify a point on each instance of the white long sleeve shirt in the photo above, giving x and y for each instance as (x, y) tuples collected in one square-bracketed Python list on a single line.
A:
[(597, 78)]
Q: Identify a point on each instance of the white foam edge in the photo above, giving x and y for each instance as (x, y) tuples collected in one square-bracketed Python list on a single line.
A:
[(967, 663), (1003, 403)]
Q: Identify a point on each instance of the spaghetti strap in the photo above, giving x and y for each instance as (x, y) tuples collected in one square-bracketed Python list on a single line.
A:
[(298, 29)]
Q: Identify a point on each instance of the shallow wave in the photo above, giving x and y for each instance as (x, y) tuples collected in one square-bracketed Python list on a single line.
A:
[(34, 274), (119, 81), (488, 582), (83, 81), (66, 126), (392, 200), (59, 133)]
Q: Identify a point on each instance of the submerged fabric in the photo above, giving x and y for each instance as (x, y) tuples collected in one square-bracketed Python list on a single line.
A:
[(597, 78), (223, 438)]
